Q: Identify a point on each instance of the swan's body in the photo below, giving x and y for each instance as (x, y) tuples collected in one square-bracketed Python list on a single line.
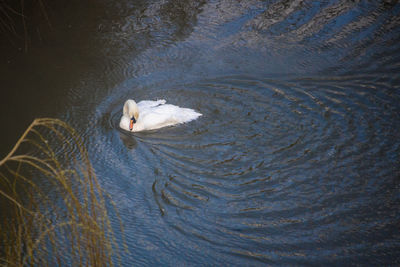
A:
[(150, 115)]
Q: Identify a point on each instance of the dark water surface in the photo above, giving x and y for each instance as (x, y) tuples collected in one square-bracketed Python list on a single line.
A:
[(296, 159)]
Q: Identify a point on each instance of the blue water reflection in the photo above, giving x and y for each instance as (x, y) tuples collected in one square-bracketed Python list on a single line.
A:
[(295, 160)]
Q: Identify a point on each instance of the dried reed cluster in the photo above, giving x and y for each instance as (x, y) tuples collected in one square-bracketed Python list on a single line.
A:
[(53, 209)]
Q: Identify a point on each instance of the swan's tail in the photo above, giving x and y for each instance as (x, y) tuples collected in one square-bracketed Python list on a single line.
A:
[(188, 114)]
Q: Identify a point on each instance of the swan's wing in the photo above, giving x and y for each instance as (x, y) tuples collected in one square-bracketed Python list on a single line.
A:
[(166, 115), (145, 104), (158, 116)]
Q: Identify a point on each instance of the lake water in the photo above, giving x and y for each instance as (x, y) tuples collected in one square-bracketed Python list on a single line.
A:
[(296, 159)]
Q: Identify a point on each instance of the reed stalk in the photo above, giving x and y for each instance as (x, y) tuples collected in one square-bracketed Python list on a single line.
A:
[(54, 209)]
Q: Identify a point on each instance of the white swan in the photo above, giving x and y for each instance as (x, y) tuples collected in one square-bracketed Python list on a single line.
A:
[(150, 115)]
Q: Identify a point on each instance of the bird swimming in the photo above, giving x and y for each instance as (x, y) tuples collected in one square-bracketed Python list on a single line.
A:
[(151, 115)]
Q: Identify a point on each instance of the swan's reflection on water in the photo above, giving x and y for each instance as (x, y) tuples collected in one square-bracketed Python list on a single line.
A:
[(128, 140)]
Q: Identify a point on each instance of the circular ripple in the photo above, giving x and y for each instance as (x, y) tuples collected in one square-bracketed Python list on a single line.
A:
[(266, 158)]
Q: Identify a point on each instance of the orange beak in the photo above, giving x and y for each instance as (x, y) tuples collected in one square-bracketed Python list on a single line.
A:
[(131, 124)]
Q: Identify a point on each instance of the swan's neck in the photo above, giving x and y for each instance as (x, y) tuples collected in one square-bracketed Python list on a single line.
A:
[(131, 109)]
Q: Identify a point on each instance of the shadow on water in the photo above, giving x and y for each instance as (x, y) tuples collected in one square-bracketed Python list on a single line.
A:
[(128, 140), (296, 157)]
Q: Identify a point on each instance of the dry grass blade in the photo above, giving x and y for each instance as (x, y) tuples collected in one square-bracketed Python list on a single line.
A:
[(55, 210)]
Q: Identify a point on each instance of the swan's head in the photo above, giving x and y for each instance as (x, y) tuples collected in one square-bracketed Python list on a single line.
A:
[(131, 111)]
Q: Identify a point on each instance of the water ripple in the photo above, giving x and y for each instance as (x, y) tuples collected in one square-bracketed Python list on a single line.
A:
[(283, 141), (296, 154)]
